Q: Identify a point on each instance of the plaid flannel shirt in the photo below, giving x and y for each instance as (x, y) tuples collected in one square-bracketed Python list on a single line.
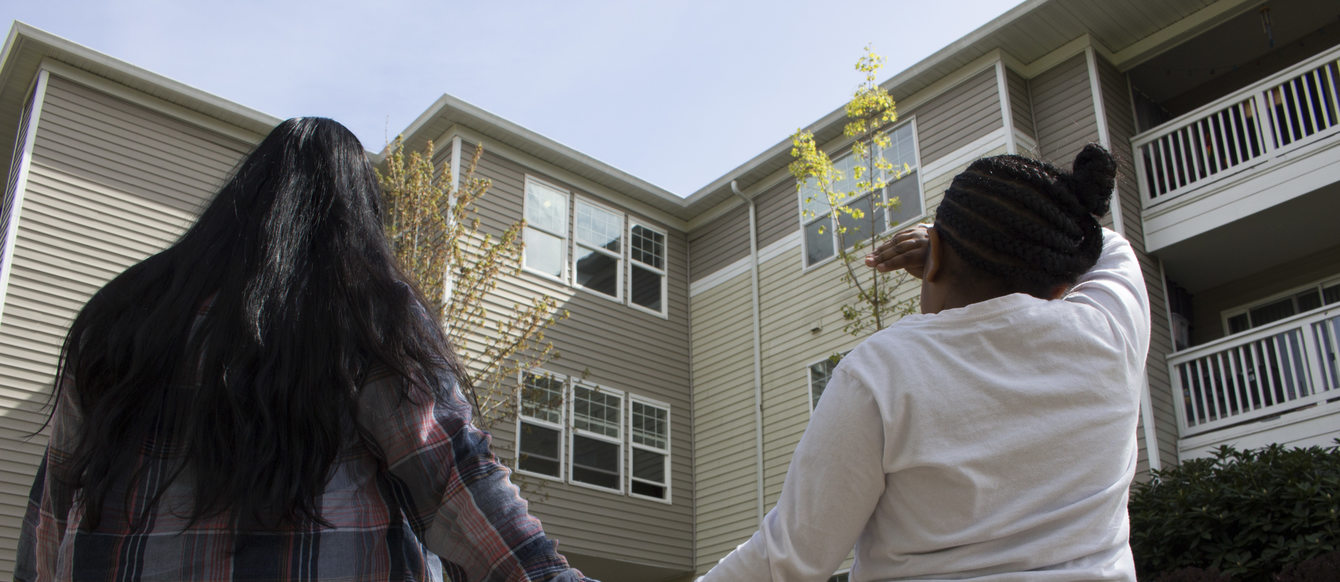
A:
[(427, 484)]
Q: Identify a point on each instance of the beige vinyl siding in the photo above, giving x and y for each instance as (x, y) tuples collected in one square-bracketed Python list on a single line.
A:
[(1021, 103), (958, 116), (615, 346), (723, 405), (111, 182), (1121, 127), (7, 208), (719, 243), (1063, 110), (778, 210)]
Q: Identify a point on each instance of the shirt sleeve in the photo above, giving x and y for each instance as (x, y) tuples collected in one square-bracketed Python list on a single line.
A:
[(1116, 287), (463, 505), (832, 486), (50, 500)]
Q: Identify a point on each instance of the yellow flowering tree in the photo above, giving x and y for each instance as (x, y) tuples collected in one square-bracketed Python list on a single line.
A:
[(870, 113), (434, 228)]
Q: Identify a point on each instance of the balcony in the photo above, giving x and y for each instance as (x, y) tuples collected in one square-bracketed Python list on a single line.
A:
[(1281, 378), (1264, 146)]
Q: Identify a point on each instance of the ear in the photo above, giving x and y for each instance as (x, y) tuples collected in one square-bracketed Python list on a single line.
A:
[(934, 255)]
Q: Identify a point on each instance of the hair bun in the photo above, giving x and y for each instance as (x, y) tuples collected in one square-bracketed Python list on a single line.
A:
[(1092, 179)]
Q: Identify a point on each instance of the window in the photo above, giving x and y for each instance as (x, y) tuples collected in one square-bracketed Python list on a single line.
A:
[(840, 577), (540, 425), (597, 437), (598, 256), (646, 283), (546, 234), (1282, 306), (820, 373), (649, 475), (895, 205)]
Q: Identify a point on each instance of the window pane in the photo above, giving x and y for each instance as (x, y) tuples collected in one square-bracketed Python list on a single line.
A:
[(539, 449), (542, 397), (547, 208), (1331, 294), (845, 167), (598, 227), (598, 271), (544, 252), (645, 289), (648, 474), (901, 150), (859, 229), (595, 462), (812, 202), (820, 373), (908, 193), (651, 425), (648, 247), (1308, 300), (1272, 312), (1238, 323), (818, 245), (596, 412)]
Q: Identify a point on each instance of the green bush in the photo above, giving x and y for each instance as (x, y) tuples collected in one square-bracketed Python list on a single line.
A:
[(1246, 514)]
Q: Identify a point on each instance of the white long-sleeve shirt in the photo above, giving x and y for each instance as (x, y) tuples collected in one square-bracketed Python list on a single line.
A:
[(995, 441)]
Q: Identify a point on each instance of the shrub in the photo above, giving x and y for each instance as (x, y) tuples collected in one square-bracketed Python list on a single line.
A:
[(1247, 514)]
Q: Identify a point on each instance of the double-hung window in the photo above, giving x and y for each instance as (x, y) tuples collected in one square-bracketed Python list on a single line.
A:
[(896, 204), (649, 474), (646, 284), (540, 424), (546, 234), (598, 253), (597, 437)]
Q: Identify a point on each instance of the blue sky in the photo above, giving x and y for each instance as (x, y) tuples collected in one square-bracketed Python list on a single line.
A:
[(675, 92)]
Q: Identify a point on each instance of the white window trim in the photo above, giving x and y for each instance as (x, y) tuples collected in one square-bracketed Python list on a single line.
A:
[(669, 476), (622, 256), (832, 228), (561, 427), (664, 272), (567, 240), (1232, 312), (574, 432)]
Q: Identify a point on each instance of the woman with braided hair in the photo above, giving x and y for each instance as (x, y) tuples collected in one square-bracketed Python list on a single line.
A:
[(993, 436)]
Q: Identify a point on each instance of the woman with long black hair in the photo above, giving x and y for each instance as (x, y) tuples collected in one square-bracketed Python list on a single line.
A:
[(268, 399)]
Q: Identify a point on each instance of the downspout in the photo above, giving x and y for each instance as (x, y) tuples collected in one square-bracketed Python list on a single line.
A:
[(758, 347)]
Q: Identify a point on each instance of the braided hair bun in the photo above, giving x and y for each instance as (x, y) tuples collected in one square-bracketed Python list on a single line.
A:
[(1092, 179), (1025, 223)]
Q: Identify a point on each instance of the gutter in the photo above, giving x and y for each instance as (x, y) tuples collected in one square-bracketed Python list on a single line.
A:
[(758, 347)]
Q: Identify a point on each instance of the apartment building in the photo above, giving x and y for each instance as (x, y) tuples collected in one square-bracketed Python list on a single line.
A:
[(701, 326)]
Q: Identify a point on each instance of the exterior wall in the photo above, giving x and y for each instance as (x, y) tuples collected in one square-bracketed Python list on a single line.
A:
[(1120, 118), (952, 120), (719, 243), (1021, 104), (723, 421), (615, 346), (110, 183), (1063, 111)]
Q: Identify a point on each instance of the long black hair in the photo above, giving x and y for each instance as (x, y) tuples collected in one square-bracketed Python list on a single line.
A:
[(236, 354), (1026, 225)]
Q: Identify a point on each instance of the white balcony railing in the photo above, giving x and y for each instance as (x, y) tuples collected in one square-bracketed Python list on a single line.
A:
[(1273, 369), (1252, 126)]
